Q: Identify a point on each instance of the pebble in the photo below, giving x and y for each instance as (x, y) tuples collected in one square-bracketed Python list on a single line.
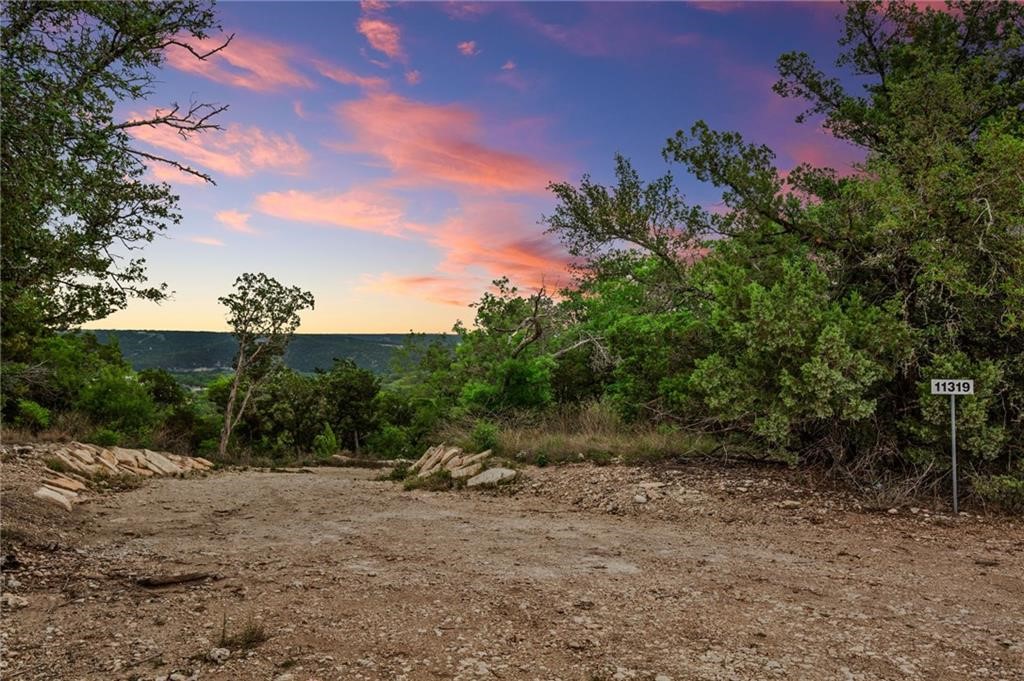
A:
[(790, 504), (219, 655), (13, 602)]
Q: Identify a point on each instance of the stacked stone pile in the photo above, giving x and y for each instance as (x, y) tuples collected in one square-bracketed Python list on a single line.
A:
[(452, 459), (70, 467), (461, 465)]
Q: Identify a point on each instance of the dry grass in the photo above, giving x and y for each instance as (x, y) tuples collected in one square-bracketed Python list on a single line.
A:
[(593, 431)]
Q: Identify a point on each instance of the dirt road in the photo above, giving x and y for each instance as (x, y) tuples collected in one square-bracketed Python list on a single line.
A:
[(353, 578)]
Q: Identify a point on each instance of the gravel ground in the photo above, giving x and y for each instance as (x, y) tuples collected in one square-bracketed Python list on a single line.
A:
[(575, 572)]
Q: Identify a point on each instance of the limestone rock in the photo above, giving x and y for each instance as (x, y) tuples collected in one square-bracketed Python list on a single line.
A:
[(219, 655), (53, 496), (467, 471), (491, 476), (64, 482)]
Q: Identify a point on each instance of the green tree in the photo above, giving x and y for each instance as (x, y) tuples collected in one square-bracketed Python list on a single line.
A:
[(76, 207), (263, 315)]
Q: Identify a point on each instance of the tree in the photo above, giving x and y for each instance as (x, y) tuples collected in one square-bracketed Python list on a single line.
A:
[(263, 315), (76, 207)]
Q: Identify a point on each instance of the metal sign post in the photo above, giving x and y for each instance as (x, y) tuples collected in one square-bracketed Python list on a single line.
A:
[(953, 387)]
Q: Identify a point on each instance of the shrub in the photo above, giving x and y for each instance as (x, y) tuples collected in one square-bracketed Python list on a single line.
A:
[(1005, 491), (484, 436), (390, 442), (116, 399), (105, 437), (325, 443), (32, 416)]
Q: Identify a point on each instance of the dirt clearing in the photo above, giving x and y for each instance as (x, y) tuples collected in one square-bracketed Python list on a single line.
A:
[(578, 573)]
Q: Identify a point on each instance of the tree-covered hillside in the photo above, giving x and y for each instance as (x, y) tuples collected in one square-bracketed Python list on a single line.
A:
[(197, 351)]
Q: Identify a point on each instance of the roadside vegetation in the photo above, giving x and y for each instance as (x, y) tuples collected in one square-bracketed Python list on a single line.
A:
[(801, 323)]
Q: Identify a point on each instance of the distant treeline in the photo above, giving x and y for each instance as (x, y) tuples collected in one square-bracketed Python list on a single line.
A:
[(203, 351)]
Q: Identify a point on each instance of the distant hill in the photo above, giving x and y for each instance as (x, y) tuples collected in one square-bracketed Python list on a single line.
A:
[(213, 351)]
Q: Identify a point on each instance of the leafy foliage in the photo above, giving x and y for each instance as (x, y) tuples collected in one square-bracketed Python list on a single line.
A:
[(76, 204)]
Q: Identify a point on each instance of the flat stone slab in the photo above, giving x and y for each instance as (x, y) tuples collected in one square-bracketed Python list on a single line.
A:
[(491, 476)]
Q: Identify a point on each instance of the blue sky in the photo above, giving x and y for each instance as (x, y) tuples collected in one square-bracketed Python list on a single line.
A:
[(393, 158)]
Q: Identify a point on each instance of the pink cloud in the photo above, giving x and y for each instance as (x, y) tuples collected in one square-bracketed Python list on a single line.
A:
[(509, 65), (237, 151), (413, 77), (358, 209), (468, 48), (465, 11), (206, 240), (383, 36), (717, 6), (437, 144), (250, 63), (342, 75), (607, 29), (371, 6), (165, 173), (235, 221)]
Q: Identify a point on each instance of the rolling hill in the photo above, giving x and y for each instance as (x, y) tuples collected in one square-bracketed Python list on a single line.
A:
[(212, 351)]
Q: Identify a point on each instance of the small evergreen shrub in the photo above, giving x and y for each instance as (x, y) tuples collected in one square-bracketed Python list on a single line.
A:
[(32, 416), (325, 444), (105, 437), (484, 436)]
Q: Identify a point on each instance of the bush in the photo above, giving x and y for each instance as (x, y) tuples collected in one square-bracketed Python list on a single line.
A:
[(32, 416), (1004, 491), (105, 437), (117, 400), (325, 443), (391, 442), (484, 436)]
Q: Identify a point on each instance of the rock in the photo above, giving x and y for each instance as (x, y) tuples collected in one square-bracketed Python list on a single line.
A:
[(662, 677), (12, 602), (467, 471), (491, 476), (450, 454), (284, 677), (54, 497), (893, 511), (219, 655), (640, 498), (160, 462), (790, 504), (65, 483)]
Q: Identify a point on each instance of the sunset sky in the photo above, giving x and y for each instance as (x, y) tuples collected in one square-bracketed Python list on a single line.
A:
[(393, 158)]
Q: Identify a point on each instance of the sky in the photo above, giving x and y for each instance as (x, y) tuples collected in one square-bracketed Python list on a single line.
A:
[(393, 158)]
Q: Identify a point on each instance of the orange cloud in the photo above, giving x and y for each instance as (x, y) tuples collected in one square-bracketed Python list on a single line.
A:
[(373, 5), (496, 239), (206, 240), (429, 143), (413, 77), (383, 36), (468, 48), (453, 291), (250, 63), (342, 75), (509, 65), (235, 221), (359, 209), (237, 151)]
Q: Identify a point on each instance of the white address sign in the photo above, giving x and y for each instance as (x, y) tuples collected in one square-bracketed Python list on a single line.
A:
[(952, 386)]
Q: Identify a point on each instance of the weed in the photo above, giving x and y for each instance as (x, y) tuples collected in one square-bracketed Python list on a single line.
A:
[(252, 634)]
